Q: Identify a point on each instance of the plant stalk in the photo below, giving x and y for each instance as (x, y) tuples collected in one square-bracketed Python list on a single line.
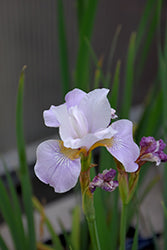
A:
[(123, 226), (87, 201)]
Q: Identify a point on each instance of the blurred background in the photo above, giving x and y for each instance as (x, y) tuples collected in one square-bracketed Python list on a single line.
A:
[(29, 36)]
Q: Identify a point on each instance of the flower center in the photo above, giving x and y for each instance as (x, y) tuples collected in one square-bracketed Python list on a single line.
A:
[(78, 122)]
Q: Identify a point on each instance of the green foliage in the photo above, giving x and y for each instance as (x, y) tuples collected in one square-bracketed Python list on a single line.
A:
[(153, 121), (64, 64), (23, 168), (85, 31)]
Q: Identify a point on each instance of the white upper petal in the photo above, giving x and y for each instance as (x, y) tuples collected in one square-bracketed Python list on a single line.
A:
[(50, 117), (74, 97), (54, 168), (124, 149), (91, 138), (96, 109)]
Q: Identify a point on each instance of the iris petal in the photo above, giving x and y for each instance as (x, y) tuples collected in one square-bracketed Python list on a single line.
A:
[(55, 168), (123, 148), (74, 97), (96, 109)]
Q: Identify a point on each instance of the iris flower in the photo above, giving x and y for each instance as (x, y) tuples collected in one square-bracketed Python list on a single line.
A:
[(84, 122), (105, 181), (151, 150)]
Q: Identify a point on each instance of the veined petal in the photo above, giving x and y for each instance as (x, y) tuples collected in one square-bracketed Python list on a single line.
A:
[(55, 168), (123, 148), (96, 109), (74, 97)]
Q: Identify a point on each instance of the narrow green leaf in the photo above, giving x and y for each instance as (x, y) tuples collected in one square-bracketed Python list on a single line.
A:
[(151, 30), (115, 86), (66, 236), (98, 73), (24, 173), (141, 31), (114, 223), (41, 246), (75, 232), (150, 122), (6, 209), (63, 51), (101, 220), (55, 238), (111, 55), (127, 99), (83, 62), (96, 62), (3, 245), (164, 208), (135, 239), (84, 235), (16, 210), (81, 5)]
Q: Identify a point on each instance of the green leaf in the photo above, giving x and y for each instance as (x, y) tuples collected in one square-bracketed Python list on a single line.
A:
[(3, 245), (97, 64), (83, 62), (101, 220), (55, 238), (150, 31), (135, 239), (127, 98), (81, 5), (75, 232), (111, 55), (150, 121), (6, 209), (24, 172), (144, 22), (115, 86), (16, 210), (114, 222), (63, 51), (84, 234)]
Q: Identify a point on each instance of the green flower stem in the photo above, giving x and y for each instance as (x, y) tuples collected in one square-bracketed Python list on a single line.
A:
[(123, 226), (87, 201)]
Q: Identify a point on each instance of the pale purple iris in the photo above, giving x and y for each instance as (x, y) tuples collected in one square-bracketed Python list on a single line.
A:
[(105, 181), (84, 123), (152, 150)]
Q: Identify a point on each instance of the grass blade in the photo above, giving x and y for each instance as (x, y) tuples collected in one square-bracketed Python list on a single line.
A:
[(41, 246), (144, 22), (16, 210), (111, 55), (135, 239), (127, 99), (24, 173), (115, 86), (55, 238), (96, 62), (75, 233), (151, 30), (81, 5), (82, 64), (6, 209), (3, 245), (63, 52)]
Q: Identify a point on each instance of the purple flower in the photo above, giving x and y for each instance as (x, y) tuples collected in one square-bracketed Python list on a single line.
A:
[(104, 181), (84, 124), (151, 150)]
